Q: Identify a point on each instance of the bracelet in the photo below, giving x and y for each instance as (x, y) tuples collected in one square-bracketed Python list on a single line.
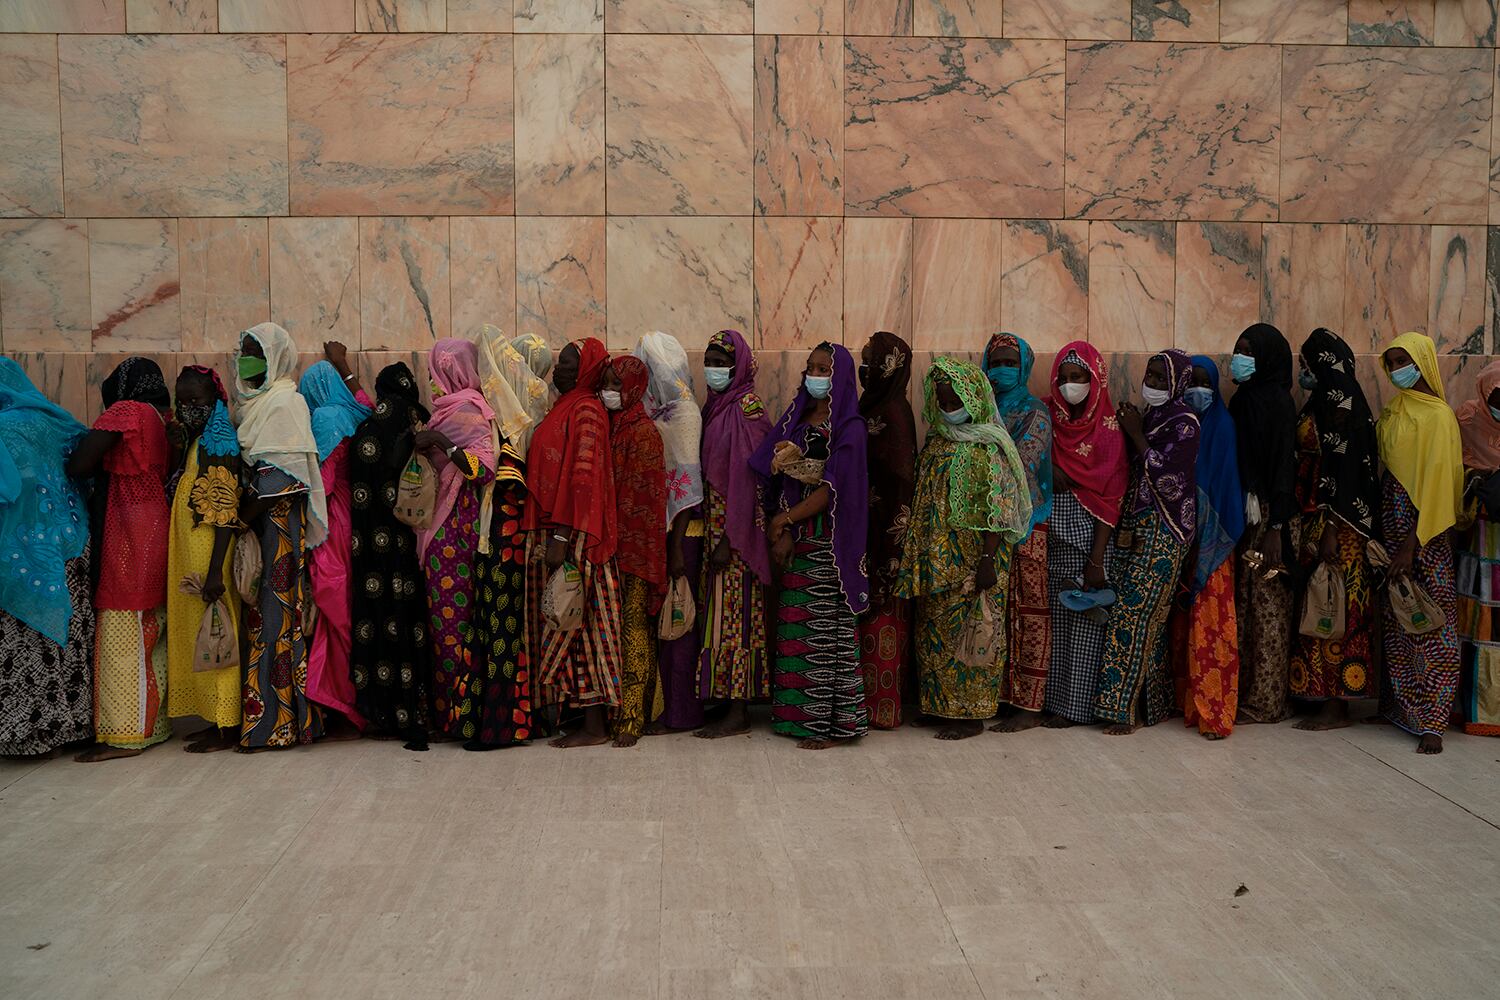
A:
[(560, 538), (349, 376)]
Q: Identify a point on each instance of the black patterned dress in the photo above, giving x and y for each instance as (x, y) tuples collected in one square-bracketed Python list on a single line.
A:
[(502, 679)]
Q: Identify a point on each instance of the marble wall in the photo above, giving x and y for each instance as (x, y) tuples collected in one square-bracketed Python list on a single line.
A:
[(1140, 173)]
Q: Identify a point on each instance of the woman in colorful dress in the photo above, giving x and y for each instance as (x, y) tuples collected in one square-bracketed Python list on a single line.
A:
[(1089, 475), (816, 493), (1479, 557), (674, 410), (205, 523), (339, 405), (735, 665), (285, 507), (570, 518), (972, 506), (885, 647), (1265, 422), (390, 661), (129, 443), (1338, 495), (1421, 496), (1205, 636), (46, 615), (641, 516), (1008, 361), (1161, 521)]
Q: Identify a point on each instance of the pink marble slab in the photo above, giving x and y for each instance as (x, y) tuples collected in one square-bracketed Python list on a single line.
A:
[(479, 15), (956, 282), (315, 279), (146, 129), (403, 283), (678, 128), (801, 17), (1386, 284), (877, 278), (1458, 316), (63, 15), (799, 129), (729, 17), (799, 280), (1172, 131), (225, 272), (31, 153), (171, 16), (560, 288), (958, 18), (1044, 282), (1494, 186), (953, 127), (1218, 284), (286, 15), (687, 276), (401, 124), (1465, 22), (1302, 281), (482, 254), (44, 285), (1131, 274), (558, 15), (560, 124), (1306, 22), (1342, 105), (1384, 22), (1067, 19), (400, 15), (135, 297), (61, 376), (878, 17), (1174, 20)]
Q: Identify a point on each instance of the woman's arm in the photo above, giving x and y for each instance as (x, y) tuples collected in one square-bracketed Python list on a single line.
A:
[(676, 561), (1094, 576), (811, 506), (986, 576), (88, 458)]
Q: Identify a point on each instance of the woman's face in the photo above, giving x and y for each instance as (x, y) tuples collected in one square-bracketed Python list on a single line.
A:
[(193, 392), (1395, 358), (611, 380), (1494, 398), (819, 364), (1072, 372), (1156, 374), (716, 357), (565, 372), (1242, 346), (1004, 356), (1201, 379), (251, 348), (947, 397)]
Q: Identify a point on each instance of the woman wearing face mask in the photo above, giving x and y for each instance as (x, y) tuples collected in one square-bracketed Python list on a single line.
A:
[(972, 504), (1205, 639), (1161, 518), (1479, 557), (1338, 494), (1421, 495), (205, 523), (813, 476), (1008, 363), (129, 444), (641, 513), (1265, 421), (1089, 478), (735, 665)]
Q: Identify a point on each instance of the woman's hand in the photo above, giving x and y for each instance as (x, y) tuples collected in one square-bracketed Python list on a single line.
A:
[(1094, 577), (676, 563), (783, 551), (1404, 558), (778, 526), (1061, 481), (1328, 545), (557, 552), (337, 355), (213, 589), (1131, 421), (176, 435), (985, 576), (1271, 549), (429, 440), (719, 560)]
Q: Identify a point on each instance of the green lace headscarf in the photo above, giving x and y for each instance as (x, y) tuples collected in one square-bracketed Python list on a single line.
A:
[(987, 488)]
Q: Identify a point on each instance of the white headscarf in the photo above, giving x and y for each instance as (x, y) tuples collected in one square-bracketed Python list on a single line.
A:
[(672, 405), (504, 379), (275, 425)]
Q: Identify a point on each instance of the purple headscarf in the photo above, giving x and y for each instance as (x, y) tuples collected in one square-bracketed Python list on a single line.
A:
[(734, 425), (1168, 470), (845, 473)]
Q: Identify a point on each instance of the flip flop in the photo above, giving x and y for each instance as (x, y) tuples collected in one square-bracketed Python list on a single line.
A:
[(1086, 600)]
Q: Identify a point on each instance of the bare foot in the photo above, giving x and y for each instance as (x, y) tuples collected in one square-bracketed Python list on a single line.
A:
[(1050, 721), (1430, 743), (1018, 723), (626, 740), (660, 728), (1376, 720), (735, 722), (1119, 729), (1335, 715), (203, 734), (239, 749), (339, 730), (1212, 736), (924, 721), (582, 738), (960, 729), (102, 751), (815, 744), (216, 740)]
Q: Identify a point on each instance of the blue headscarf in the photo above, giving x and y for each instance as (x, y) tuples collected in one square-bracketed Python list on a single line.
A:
[(43, 522), (335, 411), (1221, 514), (1029, 422)]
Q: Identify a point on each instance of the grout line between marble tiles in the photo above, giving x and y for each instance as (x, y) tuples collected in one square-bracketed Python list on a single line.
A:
[(1413, 778), (943, 909)]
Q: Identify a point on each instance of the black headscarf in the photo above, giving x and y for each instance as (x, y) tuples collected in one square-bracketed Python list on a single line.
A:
[(892, 453), (397, 383), (1265, 422), (138, 379), (1347, 482)]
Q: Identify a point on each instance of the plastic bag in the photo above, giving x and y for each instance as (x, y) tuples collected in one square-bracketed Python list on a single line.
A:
[(247, 567), (562, 600), (416, 493), (1324, 604), (218, 645), (979, 644), (678, 612)]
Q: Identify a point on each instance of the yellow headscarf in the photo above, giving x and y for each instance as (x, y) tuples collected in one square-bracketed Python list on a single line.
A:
[(503, 376), (1420, 444)]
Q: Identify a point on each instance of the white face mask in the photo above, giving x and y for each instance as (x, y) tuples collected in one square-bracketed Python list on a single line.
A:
[(610, 398), (1074, 392), (1154, 397)]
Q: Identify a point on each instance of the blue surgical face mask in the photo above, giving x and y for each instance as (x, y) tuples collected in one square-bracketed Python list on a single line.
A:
[(818, 386), (958, 416), (1495, 412), (1307, 380), (1406, 376), (718, 378), (1005, 379), (1242, 367), (1199, 397)]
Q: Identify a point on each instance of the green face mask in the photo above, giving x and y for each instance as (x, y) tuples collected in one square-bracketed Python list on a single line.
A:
[(251, 367)]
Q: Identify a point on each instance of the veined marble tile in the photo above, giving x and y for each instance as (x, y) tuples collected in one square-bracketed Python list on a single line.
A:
[(225, 267), (482, 255), (956, 280), (1494, 176), (558, 15), (479, 15), (1457, 317), (135, 299), (1174, 20), (171, 15), (1218, 284), (44, 285), (953, 128), (678, 129), (560, 124), (1302, 277), (100, 16), (958, 18), (1044, 282), (1391, 22), (1172, 130), (403, 283), (61, 376), (799, 129), (30, 156), (315, 279), (727, 17), (1465, 22), (1307, 22), (1067, 19), (800, 17), (799, 281), (400, 15), (286, 15), (1131, 274), (877, 17), (877, 278), (560, 289), (1342, 106), (690, 276), (394, 124), (158, 125), (1386, 283)]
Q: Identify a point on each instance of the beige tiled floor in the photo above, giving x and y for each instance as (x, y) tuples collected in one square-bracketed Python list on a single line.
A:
[(1049, 864)]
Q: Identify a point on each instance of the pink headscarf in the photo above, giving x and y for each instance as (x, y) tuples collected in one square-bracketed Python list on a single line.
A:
[(461, 413), (1479, 429)]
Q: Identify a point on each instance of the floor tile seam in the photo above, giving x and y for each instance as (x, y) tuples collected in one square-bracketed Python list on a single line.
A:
[(1418, 781)]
